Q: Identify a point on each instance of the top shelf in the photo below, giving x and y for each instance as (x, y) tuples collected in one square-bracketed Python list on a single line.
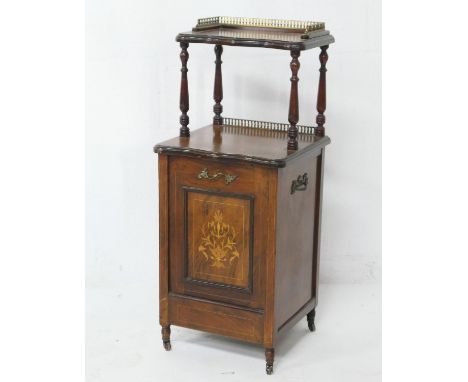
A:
[(262, 33)]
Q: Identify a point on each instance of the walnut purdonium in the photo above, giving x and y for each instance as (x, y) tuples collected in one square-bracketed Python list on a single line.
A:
[(240, 200), (239, 258)]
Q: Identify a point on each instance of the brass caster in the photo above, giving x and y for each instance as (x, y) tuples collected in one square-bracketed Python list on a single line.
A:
[(167, 345), (311, 326), (311, 320)]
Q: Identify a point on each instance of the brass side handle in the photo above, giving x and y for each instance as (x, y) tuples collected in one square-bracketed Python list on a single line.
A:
[(299, 184), (228, 178)]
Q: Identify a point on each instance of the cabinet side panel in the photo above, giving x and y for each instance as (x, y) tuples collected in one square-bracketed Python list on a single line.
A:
[(163, 169), (295, 238)]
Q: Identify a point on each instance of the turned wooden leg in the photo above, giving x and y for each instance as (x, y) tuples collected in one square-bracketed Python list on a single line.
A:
[(166, 337), (311, 320), (269, 357)]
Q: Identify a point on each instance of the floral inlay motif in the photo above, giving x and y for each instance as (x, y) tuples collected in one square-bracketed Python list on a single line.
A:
[(218, 242)]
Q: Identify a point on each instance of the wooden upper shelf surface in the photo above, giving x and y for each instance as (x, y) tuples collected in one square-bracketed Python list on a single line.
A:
[(248, 144), (263, 33)]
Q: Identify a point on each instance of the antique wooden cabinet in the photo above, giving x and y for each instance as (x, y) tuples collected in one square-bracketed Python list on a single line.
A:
[(240, 202)]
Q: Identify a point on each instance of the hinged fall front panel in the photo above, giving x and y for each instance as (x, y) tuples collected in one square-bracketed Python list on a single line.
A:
[(218, 238), (218, 218)]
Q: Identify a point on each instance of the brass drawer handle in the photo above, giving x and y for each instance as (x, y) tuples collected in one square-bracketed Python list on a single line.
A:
[(300, 184), (228, 178)]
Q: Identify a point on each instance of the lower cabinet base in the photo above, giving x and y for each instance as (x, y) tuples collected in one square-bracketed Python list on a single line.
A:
[(223, 319), (239, 242), (218, 318)]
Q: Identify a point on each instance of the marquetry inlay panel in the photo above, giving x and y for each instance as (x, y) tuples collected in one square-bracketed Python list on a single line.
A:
[(218, 239)]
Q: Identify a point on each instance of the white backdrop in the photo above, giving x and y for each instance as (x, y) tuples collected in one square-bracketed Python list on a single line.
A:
[(132, 64)]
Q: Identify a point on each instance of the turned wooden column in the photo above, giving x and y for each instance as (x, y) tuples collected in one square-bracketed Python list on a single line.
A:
[(184, 94), (322, 92), (293, 101), (218, 87)]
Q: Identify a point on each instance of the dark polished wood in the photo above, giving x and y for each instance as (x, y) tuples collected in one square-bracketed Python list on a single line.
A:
[(245, 144), (184, 93), (293, 116), (218, 87), (251, 37), (322, 91)]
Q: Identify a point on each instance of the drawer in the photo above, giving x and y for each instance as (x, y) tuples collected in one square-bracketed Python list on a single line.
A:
[(217, 218)]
